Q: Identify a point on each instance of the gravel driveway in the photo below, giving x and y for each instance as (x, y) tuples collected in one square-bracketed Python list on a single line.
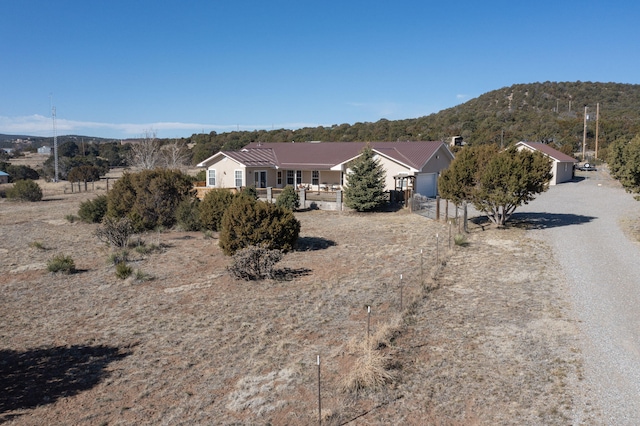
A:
[(580, 220)]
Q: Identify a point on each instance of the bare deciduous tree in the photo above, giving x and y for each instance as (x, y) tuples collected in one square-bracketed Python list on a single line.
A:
[(175, 155), (146, 153)]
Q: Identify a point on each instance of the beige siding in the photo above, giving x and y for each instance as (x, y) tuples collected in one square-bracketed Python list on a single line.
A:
[(225, 172), (392, 169), (438, 162), (250, 179), (562, 172)]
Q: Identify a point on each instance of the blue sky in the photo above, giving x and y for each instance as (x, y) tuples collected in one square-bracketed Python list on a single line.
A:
[(120, 68)]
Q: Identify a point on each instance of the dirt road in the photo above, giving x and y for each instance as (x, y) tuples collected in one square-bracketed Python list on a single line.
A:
[(584, 224)]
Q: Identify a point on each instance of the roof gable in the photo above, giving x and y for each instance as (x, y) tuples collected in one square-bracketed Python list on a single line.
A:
[(548, 151)]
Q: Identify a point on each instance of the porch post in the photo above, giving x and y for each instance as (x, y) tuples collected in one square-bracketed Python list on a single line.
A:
[(303, 198)]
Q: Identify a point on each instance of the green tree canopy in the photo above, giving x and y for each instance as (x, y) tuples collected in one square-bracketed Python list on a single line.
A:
[(248, 222), (624, 162), (365, 186), (149, 198), (496, 182)]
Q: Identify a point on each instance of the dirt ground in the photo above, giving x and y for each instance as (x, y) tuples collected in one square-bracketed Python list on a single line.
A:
[(484, 335)]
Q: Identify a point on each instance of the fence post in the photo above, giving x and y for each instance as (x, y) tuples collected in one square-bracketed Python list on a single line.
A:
[(339, 200), (446, 209), (269, 194), (319, 395), (437, 208), (465, 217)]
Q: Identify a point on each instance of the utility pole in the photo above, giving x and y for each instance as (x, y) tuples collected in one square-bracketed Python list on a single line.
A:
[(584, 134), (597, 125), (55, 144)]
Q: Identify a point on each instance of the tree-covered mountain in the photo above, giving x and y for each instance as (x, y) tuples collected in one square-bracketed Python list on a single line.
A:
[(546, 112)]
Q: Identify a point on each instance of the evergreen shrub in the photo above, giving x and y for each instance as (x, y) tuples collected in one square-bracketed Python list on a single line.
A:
[(288, 198), (212, 208), (93, 211), (247, 222), (25, 190)]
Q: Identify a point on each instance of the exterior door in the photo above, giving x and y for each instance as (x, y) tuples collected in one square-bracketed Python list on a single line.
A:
[(260, 178)]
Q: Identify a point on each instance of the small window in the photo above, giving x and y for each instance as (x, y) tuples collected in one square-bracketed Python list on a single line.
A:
[(315, 177), (291, 177), (212, 177), (299, 177), (279, 178), (238, 176)]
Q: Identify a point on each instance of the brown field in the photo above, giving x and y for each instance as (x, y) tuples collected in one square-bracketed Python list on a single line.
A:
[(484, 335)]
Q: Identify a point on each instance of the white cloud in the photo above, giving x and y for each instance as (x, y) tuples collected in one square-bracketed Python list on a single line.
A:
[(459, 96), (38, 125)]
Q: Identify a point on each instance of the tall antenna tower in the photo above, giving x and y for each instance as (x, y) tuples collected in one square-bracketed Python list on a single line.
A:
[(55, 144)]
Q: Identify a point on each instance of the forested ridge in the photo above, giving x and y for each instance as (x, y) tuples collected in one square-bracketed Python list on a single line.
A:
[(551, 112)]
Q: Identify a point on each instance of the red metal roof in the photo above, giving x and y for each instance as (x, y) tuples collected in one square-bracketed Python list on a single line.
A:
[(324, 155), (547, 150)]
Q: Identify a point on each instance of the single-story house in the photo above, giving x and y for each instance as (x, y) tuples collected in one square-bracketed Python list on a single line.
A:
[(45, 150), (325, 165), (4, 177), (562, 166)]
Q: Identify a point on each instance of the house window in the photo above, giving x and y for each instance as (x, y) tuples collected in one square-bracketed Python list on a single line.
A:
[(212, 177), (291, 177), (279, 176), (299, 177), (238, 178), (315, 177)]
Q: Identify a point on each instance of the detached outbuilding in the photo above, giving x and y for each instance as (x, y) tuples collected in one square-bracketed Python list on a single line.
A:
[(4, 177), (563, 164)]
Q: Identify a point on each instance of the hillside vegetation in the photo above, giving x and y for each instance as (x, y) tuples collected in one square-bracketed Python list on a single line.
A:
[(545, 112)]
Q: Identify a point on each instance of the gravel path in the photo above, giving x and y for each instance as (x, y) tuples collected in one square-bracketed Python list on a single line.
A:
[(581, 222)]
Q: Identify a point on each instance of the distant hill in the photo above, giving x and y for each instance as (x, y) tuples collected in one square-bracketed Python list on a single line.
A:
[(546, 112), (38, 141)]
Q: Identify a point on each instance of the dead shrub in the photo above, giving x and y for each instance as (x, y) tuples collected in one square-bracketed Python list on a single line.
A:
[(254, 263), (115, 232)]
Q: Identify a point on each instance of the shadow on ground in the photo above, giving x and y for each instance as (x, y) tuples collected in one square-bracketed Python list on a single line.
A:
[(548, 220), (313, 243), (42, 376), (289, 274)]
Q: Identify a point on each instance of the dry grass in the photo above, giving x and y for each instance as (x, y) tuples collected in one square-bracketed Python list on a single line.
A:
[(486, 338), (370, 370)]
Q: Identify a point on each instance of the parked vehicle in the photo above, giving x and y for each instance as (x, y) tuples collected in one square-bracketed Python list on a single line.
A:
[(587, 167)]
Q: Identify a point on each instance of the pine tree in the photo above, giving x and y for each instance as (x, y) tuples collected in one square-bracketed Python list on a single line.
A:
[(365, 187)]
